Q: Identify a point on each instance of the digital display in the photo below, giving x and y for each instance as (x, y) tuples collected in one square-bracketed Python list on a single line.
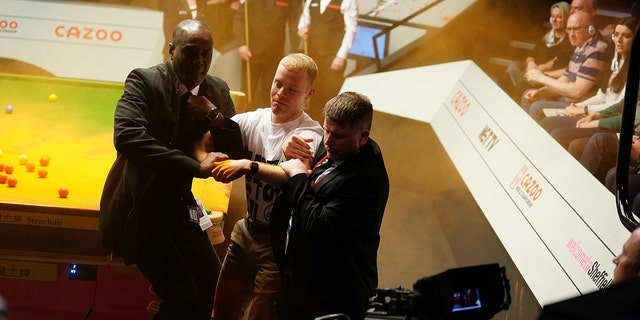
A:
[(363, 42), (466, 299)]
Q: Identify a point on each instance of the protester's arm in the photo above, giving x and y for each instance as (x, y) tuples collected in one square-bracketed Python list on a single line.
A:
[(275, 175)]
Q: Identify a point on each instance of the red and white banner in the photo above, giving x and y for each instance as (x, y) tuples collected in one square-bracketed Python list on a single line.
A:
[(81, 40)]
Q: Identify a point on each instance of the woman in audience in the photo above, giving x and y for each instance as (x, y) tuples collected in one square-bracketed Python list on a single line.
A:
[(601, 112), (550, 55)]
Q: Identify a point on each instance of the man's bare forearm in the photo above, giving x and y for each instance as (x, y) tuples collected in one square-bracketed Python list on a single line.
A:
[(271, 174)]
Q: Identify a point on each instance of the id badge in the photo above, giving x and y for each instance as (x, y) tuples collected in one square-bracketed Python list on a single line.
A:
[(204, 221), (194, 214)]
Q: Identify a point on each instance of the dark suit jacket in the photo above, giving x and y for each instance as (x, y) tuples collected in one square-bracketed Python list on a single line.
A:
[(153, 170), (331, 260)]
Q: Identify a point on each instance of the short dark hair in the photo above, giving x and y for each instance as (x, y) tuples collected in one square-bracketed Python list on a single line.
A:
[(184, 24), (350, 108)]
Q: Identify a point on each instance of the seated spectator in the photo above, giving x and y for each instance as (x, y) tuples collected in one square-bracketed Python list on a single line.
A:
[(613, 90), (633, 181), (550, 55), (579, 80), (583, 119), (591, 8), (607, 120), (600, 154), (628, 261)]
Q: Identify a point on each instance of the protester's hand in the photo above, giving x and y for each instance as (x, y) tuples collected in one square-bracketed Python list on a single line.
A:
[(297, 147), (294, 166), (205, 167), (229, 170)]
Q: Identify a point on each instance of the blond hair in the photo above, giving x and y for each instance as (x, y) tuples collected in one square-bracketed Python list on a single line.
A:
[(298, 62)]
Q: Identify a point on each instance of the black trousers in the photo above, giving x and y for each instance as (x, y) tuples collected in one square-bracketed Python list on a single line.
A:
[(180, 263)]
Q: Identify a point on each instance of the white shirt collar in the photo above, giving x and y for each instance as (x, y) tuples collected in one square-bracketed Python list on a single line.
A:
[(182, 89)]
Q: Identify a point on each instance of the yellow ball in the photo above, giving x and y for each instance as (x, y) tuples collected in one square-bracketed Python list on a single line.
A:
[(53, 97)]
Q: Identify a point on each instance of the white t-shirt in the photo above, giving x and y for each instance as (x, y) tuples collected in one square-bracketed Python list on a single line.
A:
[(264, 140)]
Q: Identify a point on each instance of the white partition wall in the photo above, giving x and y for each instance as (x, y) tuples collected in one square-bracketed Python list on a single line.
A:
[(556, 221), (81, 40)]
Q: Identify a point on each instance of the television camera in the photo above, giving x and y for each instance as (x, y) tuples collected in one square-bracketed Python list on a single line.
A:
[(477, 292)]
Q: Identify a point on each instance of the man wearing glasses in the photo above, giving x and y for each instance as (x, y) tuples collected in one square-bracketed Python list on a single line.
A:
[(580, 78)]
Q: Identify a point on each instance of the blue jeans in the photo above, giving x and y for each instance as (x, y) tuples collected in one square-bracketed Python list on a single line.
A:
[(535, 109)]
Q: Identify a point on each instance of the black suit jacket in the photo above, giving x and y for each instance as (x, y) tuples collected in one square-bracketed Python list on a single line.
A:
[(331, 259), (153, 169)]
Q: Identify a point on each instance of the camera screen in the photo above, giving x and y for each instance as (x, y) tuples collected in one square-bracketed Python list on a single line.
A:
[(466, 299)]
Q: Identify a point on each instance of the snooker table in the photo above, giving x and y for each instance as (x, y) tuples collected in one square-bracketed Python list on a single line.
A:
[(76, 132)]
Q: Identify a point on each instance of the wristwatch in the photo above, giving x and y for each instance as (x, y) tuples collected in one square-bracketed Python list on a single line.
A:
[(253, 168), (213, 114)]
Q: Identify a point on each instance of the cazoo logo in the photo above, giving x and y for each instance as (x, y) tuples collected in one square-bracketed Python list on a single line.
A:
[(460, 103), (527, 186), (87, 33)]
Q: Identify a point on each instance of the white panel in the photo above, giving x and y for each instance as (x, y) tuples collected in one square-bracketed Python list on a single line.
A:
[(413, 93), (557, 222)]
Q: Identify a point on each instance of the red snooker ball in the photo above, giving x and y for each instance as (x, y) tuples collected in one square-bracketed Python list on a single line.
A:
[(12, 182), (30, 166), (63, 192), (42, 173), (44, 160)]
